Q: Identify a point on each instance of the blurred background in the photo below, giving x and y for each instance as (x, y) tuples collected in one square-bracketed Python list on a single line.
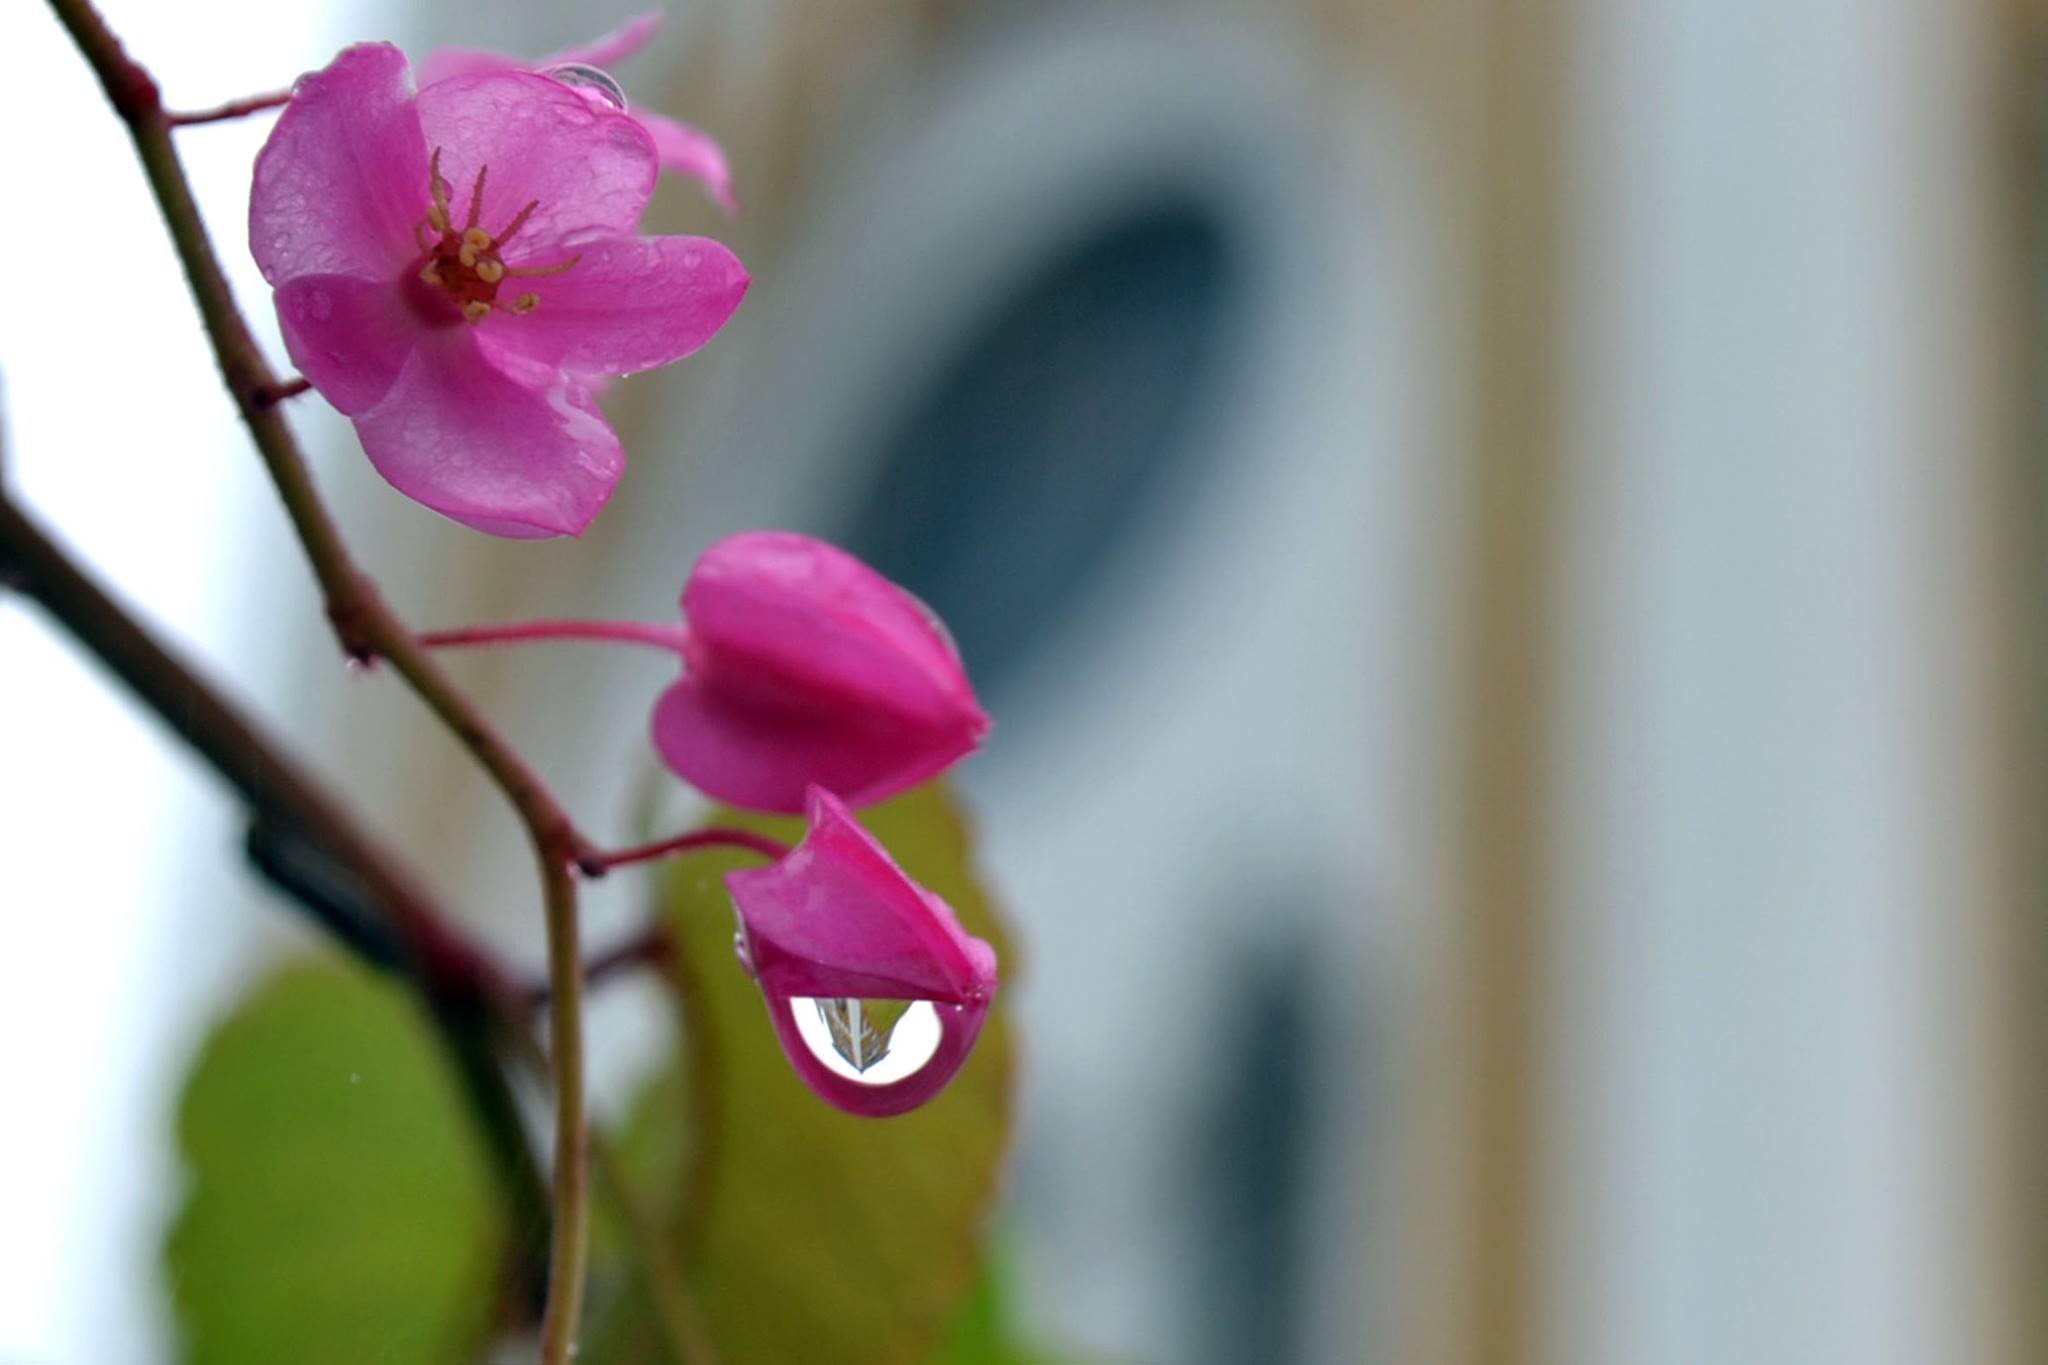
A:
[(1503, 539)]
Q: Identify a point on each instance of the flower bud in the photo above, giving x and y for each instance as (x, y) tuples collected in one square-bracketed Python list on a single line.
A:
[(804, 666)]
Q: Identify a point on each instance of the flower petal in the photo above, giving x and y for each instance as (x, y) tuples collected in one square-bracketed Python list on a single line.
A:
[(628, 304), (806, 618), (446, 63), (691, 152), (762, 757), (590, 170), (837, 917), (349, 336), (343, 176), (493, 440), (620, 43)]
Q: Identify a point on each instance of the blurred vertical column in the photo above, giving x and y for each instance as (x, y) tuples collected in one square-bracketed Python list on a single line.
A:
[(1482, 83), (1797, 923)]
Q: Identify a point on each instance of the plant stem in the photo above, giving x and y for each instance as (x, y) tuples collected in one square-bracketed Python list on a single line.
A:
[(597, 864), (663, 637), (367, 629), (463, 988)]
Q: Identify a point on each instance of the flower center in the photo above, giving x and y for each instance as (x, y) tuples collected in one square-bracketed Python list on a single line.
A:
[(468, 264)]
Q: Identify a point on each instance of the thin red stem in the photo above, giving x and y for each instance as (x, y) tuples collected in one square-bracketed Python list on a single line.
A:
[(233, 109), (663, 637), (719, 836)]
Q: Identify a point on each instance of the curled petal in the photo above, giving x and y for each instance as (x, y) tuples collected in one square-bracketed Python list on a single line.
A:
[(805, 665), (762, 757), (837, 917), (493, 440), (349, 336), (343, 176), (588, 170), (797, 613), (691, 152), (629, 304)]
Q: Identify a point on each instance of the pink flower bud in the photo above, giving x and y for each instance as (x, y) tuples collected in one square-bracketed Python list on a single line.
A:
[(836, 924), (804, 666)]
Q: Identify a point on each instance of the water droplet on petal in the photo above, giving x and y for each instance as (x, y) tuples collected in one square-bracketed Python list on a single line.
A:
[(875, 1042), (739, 950), (593, 83)]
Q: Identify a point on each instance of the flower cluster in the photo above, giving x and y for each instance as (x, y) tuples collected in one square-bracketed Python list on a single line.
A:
[(457, 269)]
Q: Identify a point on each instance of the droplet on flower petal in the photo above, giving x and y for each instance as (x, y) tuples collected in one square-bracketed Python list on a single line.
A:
[(875, 1042), (590, 81), (858, 1058)]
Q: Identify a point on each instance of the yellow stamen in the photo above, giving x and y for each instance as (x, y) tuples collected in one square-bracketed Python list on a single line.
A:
[(490, 270), (476, 310), (467, 255), (525, 303), (432, 273), (477, 238)]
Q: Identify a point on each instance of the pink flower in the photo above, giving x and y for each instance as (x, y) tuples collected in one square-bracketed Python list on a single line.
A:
[(804, 666), (455, 269), (801, 666), (837, 920), (683, 149)]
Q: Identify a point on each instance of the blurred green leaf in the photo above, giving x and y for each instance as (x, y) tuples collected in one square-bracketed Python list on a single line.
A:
[(339, 1206), (811, 1235), (984, 1332)]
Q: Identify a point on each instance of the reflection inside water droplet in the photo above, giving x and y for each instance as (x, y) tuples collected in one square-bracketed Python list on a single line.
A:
[(875, 1042), (590, 81)]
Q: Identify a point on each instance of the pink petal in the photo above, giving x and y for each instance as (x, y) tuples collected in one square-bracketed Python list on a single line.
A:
[(590, 169), (446, 63), (823, 623), (687, 151), (763, 757), (493, 440), (620, 43), (628, 304), (349, 336), (343, 176), (838, 917), (805, 665)]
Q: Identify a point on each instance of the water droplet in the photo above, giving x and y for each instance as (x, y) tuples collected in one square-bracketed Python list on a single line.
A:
[(355, 1078), (591, 82), (875, 1042), (739, 950)]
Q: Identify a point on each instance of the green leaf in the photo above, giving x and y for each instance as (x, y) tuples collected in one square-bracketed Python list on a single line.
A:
[(339, 1206), (810, 1234)]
